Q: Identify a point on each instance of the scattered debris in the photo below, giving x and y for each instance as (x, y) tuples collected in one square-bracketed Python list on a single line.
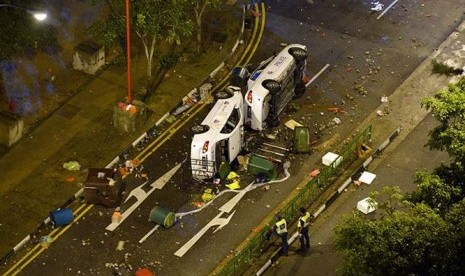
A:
[(367, 177), (116, 217), (314, 173), (367, 205), (120, 246), (45, 241), (336, 120), (380, 113), (271, 136), (377, 6), (72, 166), (337, 110), (292, 124), (384, 99)]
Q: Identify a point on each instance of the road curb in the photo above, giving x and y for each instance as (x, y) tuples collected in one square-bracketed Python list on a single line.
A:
[(79, 193)]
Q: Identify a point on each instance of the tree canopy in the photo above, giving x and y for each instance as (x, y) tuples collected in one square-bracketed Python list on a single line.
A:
[(448, 107), (21, 33), (152, 21)]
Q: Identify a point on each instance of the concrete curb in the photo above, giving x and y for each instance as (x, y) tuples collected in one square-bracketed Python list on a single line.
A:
[(335, 195), (128, 149)]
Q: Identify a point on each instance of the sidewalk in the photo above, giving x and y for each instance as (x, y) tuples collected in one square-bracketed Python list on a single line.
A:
[(33, 181), (404, 155)]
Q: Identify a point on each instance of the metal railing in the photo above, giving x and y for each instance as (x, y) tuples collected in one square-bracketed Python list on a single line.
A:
[(312, 190)]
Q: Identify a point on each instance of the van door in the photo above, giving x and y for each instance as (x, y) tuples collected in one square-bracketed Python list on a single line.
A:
[(234, 127)]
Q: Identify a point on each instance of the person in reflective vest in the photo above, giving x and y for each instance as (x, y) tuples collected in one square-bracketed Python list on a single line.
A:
[(280, 229), (302, 229)]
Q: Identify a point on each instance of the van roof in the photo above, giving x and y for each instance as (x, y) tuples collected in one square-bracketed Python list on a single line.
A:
[(219, 114)]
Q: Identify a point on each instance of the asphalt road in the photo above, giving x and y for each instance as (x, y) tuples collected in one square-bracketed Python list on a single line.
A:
[(378, 54)]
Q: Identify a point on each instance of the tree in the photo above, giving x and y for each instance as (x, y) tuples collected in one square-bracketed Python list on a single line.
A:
[(152, 20), (456, 218), (448, 107), (412, 240), (199, 9), (21, 33), (434, 192)]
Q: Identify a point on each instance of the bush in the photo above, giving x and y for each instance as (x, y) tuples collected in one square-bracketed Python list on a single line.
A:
[(169, 61)]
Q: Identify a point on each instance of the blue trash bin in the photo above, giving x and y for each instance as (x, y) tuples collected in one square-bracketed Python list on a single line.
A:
[(61, 217)]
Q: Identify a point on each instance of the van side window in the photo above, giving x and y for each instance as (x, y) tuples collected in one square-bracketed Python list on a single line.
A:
[(232, 122)]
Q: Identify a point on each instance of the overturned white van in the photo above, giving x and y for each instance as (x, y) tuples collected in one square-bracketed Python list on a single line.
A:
[(220, 136), (273, 84)]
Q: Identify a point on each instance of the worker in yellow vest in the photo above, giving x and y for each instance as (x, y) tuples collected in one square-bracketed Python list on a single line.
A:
[(280, 229), (302, 229)]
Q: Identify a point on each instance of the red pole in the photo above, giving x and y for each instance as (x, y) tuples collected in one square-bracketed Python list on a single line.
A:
[(128, 52)]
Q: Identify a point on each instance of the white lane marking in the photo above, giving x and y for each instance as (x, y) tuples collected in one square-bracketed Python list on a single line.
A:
[(386, 10), (215, 221), (141, 195), (317, 75)]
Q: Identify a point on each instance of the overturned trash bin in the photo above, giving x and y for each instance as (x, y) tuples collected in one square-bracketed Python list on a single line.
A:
[(101, 189), (61, 217), (162, 216), (258, 165), (302, 139)]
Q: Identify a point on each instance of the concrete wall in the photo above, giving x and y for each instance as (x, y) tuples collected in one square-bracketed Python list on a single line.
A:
[(11, 129)]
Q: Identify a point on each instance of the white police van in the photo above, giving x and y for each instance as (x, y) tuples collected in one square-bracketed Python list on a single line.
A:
[(273, 84), (220, 136)]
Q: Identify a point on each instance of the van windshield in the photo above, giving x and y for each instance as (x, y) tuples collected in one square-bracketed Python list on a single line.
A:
[(255, 75)]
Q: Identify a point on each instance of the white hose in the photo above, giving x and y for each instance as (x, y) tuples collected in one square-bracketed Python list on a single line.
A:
[(249, 188)]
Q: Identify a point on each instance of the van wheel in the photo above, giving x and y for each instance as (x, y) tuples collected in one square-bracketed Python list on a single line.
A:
[(197, 129), (272, 86), (273, 121), (221, 95), (298, 54)]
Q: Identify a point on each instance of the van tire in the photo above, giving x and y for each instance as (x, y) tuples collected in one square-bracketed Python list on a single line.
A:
[(272, 86), (273, 121), (298, 54), (198, 129), (224, 94)]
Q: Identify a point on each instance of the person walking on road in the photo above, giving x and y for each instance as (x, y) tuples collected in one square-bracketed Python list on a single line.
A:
[(302, 229), (280, 229)]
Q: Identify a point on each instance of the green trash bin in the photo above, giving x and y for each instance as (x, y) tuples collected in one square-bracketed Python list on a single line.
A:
[(224, 170), (162, 216), (260, 165), (302, 139)]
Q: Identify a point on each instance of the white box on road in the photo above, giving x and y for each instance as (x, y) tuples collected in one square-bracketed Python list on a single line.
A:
[(330, 157), (367, 177), (366, 207)]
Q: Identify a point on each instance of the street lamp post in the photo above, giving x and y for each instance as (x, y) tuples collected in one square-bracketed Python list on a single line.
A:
[(128, 52), (40, 16)]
